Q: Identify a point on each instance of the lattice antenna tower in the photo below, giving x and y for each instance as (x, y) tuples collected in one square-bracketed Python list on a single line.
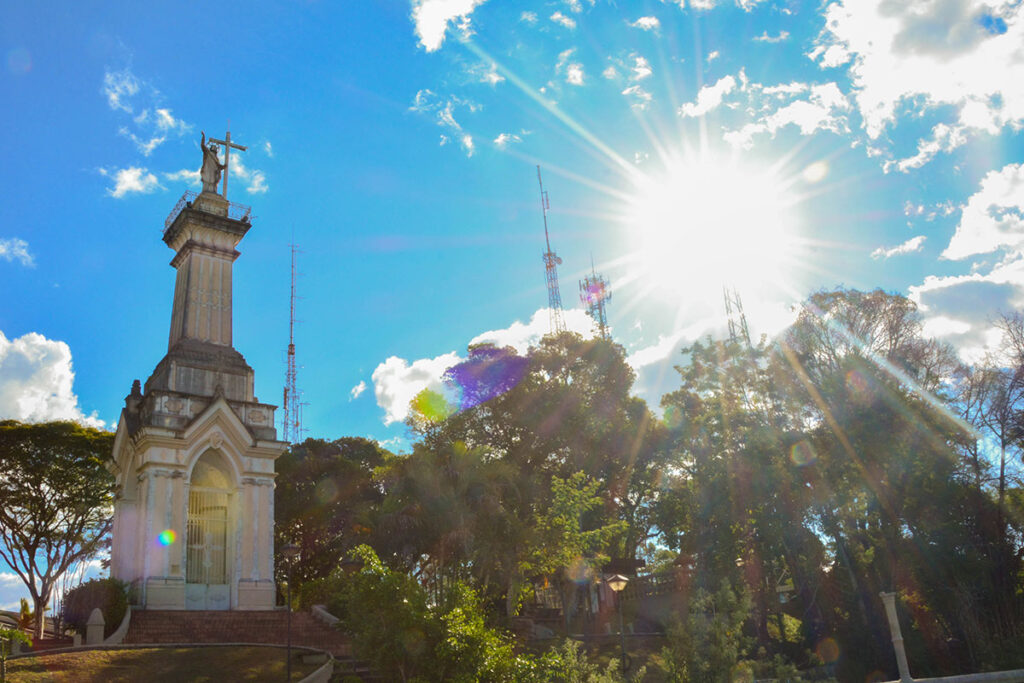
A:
[(551, 263), (595, 291), (738, 330), (292, 427)]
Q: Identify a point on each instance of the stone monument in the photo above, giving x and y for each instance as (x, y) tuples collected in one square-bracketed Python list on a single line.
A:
[(194, 451)]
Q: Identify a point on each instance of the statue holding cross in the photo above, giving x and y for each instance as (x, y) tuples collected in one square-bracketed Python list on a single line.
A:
[(210, 173)]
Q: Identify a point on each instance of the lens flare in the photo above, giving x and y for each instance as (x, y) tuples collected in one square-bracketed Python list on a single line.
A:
[(802, 453), (858, 385), (166, 537), (326, 491), (580, 571), (828, 650), (432, 405)]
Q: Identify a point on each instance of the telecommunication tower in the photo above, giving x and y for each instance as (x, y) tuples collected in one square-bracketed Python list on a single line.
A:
[(551, 263), (292, 427), (594, 292), (738, 331)]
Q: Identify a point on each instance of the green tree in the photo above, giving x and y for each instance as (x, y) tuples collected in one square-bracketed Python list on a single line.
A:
[(563, 549), (9, 636), (407, 637), (322, 494), (55, 501), (562, 408)]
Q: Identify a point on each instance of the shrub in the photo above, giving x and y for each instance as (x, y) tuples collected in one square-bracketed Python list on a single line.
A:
[(110, 595)]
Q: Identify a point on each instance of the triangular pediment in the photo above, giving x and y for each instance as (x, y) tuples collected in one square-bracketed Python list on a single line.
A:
[(218, 416)]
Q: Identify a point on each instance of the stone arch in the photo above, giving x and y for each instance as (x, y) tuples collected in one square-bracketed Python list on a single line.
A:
[(212, 518)]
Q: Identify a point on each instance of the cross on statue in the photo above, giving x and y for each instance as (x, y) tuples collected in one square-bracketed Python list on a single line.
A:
[(227, 157)]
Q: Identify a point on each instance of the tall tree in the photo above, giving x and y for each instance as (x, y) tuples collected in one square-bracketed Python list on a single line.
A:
[(56, 500), (322, 494)]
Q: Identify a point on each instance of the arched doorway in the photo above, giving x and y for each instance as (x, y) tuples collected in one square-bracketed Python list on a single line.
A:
[(210, 523)]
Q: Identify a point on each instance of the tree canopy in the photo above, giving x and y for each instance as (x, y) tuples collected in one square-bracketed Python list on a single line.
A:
[(56, 500)]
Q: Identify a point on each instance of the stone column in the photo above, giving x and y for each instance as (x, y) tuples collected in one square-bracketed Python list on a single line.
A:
[(889, 599)]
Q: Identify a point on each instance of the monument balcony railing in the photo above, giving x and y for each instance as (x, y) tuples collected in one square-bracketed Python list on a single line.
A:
[(238, 212)]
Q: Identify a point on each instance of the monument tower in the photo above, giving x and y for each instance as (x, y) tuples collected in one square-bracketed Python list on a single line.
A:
[(194, 451)]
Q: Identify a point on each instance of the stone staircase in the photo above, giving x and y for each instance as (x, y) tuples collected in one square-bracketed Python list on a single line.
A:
[(264, 627), (269, 627)]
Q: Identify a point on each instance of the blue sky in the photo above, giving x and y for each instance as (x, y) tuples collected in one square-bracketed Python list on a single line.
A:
[(780, 148)]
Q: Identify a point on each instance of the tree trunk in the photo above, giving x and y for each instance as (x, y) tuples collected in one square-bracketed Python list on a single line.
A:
[(39, 602)]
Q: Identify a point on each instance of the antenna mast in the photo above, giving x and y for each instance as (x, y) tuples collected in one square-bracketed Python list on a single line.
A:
[(292, 420), (594, 292), (738, 331), (551, 262)]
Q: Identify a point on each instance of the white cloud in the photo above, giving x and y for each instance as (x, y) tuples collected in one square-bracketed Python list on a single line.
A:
[(131, 180), (528, 17), (487, 74), (574, 74), (505, 139), (609, 73), (993, 217), (641, 98), (165, 121), (765, 38), (564, 20), (712, 56), (268, 149), (15, 249), (521, 336), (958, 57), (944, 139), (573, 70), (992, 220), (190, 177), (428, 102), (432, 17), (941, 326), (144, 146), (641, 68), (824, 109), (357, 391), (908, 247), (709, 97), (396, 382), (255, 181), (119, 87), (154, 123), (646, 24), (953, 302), (36, 381)]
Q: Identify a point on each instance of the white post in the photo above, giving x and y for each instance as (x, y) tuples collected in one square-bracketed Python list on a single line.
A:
[(889, 599)]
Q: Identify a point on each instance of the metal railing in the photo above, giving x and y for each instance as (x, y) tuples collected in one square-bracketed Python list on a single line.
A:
[(238, 212)]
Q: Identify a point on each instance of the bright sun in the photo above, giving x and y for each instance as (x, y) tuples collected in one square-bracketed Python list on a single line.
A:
[(708, 223)]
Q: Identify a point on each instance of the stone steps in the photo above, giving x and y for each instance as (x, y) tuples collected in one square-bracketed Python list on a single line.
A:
[(269, 627)]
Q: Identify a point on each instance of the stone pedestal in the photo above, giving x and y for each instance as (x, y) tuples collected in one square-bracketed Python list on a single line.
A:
[(94, 627)]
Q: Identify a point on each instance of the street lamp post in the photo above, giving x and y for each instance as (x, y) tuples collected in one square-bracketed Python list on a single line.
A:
[(290, 552), (617, 582)]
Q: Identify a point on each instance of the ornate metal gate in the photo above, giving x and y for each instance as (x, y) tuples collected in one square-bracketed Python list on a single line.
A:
[(206, 573)]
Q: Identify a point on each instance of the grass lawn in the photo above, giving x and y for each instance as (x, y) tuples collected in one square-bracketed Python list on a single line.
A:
[(159, 665)]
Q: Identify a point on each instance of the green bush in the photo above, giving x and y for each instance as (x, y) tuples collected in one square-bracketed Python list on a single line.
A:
[(708, 644), (110, 595)]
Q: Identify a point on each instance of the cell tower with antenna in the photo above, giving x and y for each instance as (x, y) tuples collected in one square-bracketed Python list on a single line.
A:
[(551, 263), (594, 292), (738, 331), (292, 427)]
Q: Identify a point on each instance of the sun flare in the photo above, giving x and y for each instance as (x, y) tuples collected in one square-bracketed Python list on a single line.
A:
[(709, 223)]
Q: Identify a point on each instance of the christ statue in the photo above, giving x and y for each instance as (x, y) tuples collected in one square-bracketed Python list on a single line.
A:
[(210, 172)]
